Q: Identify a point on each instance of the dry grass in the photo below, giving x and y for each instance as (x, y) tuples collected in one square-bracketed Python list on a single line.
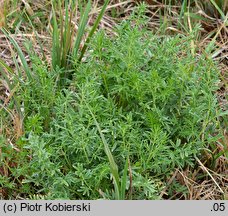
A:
[(2, 16)]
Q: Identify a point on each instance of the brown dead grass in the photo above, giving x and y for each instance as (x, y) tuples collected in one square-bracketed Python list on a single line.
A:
[(2, 16)]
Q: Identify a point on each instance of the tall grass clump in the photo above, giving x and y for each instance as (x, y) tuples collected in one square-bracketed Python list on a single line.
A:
[(66, 44)]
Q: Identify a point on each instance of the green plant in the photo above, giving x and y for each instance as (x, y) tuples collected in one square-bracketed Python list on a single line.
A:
[(138, 108)]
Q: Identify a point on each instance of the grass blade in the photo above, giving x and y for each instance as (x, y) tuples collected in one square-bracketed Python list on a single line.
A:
[(3, 66), (20, 54), (12, 86), (218, 9), (113, 165), (55, 42), (81, 28), (93, 29), (124, 181)]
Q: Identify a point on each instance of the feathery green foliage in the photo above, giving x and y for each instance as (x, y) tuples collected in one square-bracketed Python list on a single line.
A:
[(139, 107)]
